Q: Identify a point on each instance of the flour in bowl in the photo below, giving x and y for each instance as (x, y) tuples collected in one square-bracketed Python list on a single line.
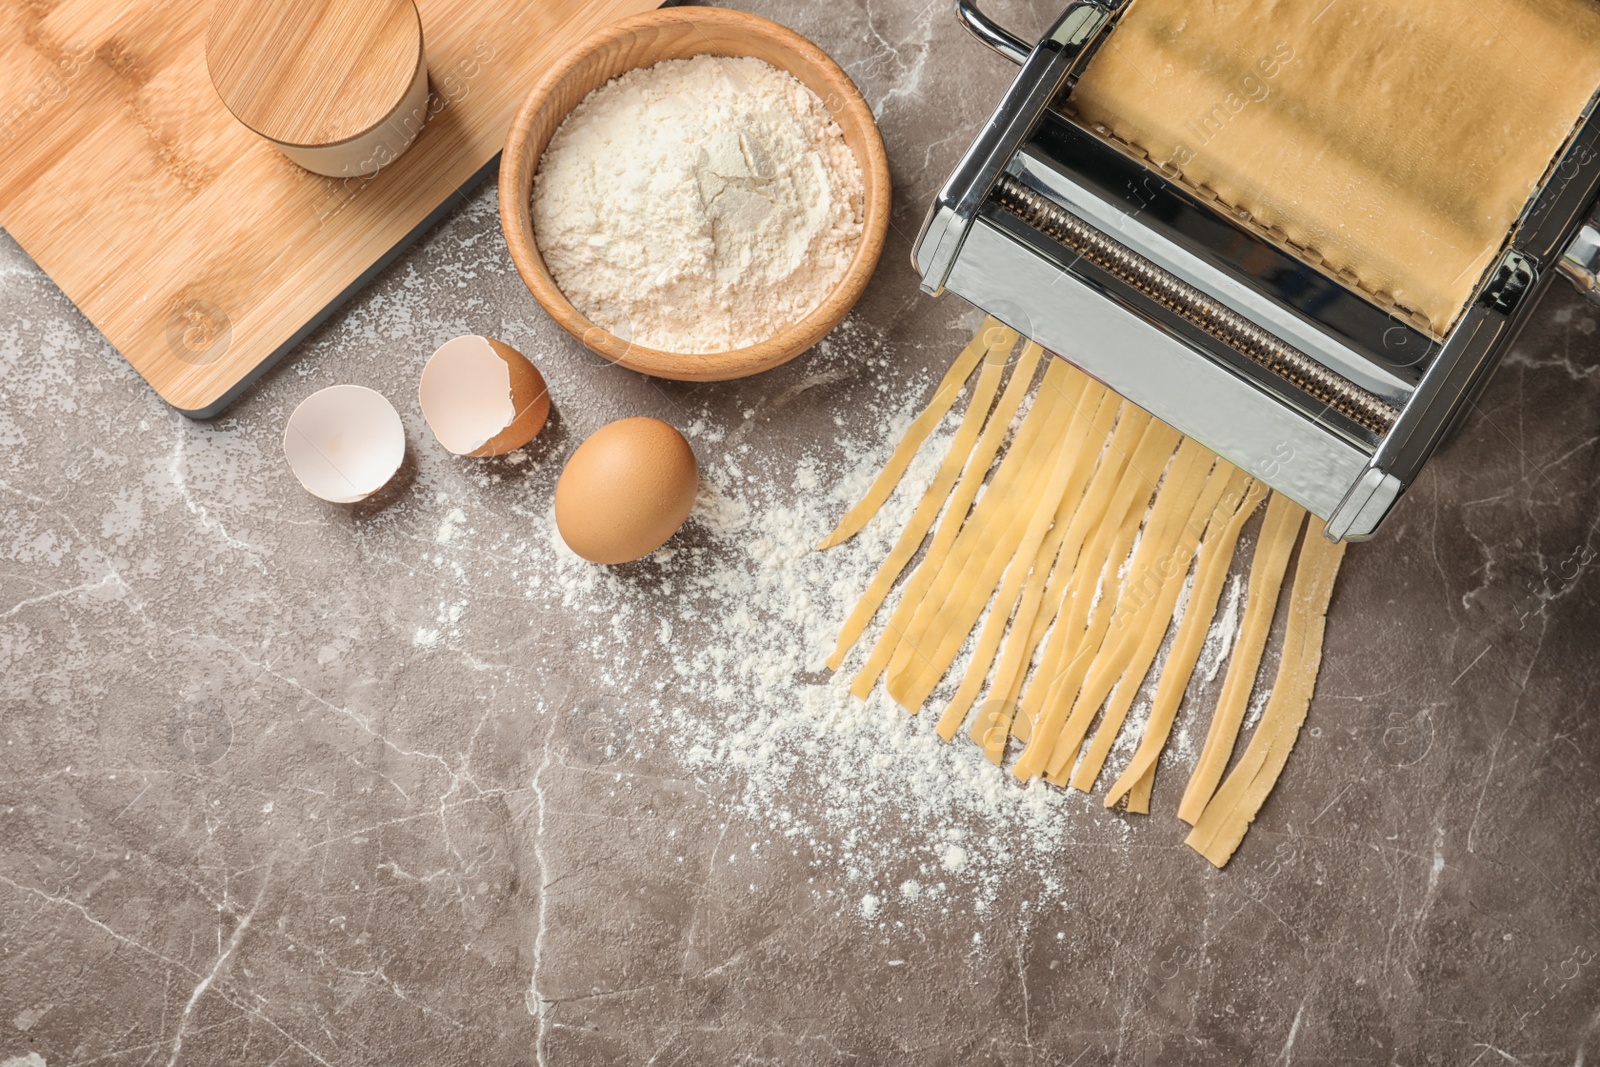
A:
[(699, 205)]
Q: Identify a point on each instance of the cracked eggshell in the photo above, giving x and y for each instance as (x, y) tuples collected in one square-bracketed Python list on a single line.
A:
[(344, 443), (482, 397), (626, 491)]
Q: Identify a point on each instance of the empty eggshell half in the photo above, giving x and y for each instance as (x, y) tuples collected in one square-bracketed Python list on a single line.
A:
[(344, 443), (482, 397)]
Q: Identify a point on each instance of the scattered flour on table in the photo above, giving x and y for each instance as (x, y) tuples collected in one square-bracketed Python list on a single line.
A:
[(717, 643), (699, 205), (741, 691), (451, 526), (1219, 643)]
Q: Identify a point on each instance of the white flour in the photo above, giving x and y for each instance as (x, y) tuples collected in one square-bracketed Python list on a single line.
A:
[(753, 610), (714, 649), (699, 205)]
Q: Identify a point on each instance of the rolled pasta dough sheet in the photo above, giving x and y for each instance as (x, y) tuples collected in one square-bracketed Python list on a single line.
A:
[(1396, 142)]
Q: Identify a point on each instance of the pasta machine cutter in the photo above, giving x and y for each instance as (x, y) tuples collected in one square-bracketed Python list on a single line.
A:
[(1306, 382)]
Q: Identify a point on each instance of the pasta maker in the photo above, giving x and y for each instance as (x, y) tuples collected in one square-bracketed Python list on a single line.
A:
[(1304, 381)]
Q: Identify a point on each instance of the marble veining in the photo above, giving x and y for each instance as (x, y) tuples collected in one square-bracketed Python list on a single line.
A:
[(283, 783)]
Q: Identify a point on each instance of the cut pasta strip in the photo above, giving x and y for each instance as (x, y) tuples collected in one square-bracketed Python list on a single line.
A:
[(1104, 516), (996, 733), (1034, 568), (1022, 638), (1152, 624), (967, 582), (944, 397), (972, 574), (1216, 553), (955, 460), (1223, 824), (1077, 538), (1179, 491), (1064, 690), (1279, 531), (944, 536), (1089, 517), (1081, 626), (1122, 426), (954, 566), (1054, 568), (1021, 728)]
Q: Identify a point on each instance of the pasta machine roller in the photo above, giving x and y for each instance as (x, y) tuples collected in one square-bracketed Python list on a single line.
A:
[(1274, 363)]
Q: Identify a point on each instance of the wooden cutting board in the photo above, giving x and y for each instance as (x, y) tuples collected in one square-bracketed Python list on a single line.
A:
[(197, 248)]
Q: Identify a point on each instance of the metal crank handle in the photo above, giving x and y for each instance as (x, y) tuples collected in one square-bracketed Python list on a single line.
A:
[(992, 33)]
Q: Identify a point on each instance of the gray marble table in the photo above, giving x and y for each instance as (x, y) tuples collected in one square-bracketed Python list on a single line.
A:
[(287, 784)]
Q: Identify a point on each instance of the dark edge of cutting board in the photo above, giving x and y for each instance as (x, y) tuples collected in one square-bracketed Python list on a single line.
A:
[(436, 216)]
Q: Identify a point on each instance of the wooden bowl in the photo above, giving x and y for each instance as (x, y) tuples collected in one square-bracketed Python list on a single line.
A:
[(680, 33)]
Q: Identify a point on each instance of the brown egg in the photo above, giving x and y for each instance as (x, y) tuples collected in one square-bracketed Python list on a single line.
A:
[(626, 490)]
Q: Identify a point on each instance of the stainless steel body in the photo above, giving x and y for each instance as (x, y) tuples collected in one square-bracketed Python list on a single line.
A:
[(1329, 397)]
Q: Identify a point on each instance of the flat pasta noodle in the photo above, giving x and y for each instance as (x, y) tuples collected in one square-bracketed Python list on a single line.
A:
[(1121, 425), (1222, 826), (944, 397), (938, 492), (1125, 425), (944, 536), (1034, 569), (1152, 628), (942, 567), (1063, 693), (1050, 576), (969, 579), (1139, 796), (961, 590), (1075, 527), (1090, 517), (1216, 553), (1081, 627), (1066, 465), (1103, 514), (1279, 531), (1183, 484)]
